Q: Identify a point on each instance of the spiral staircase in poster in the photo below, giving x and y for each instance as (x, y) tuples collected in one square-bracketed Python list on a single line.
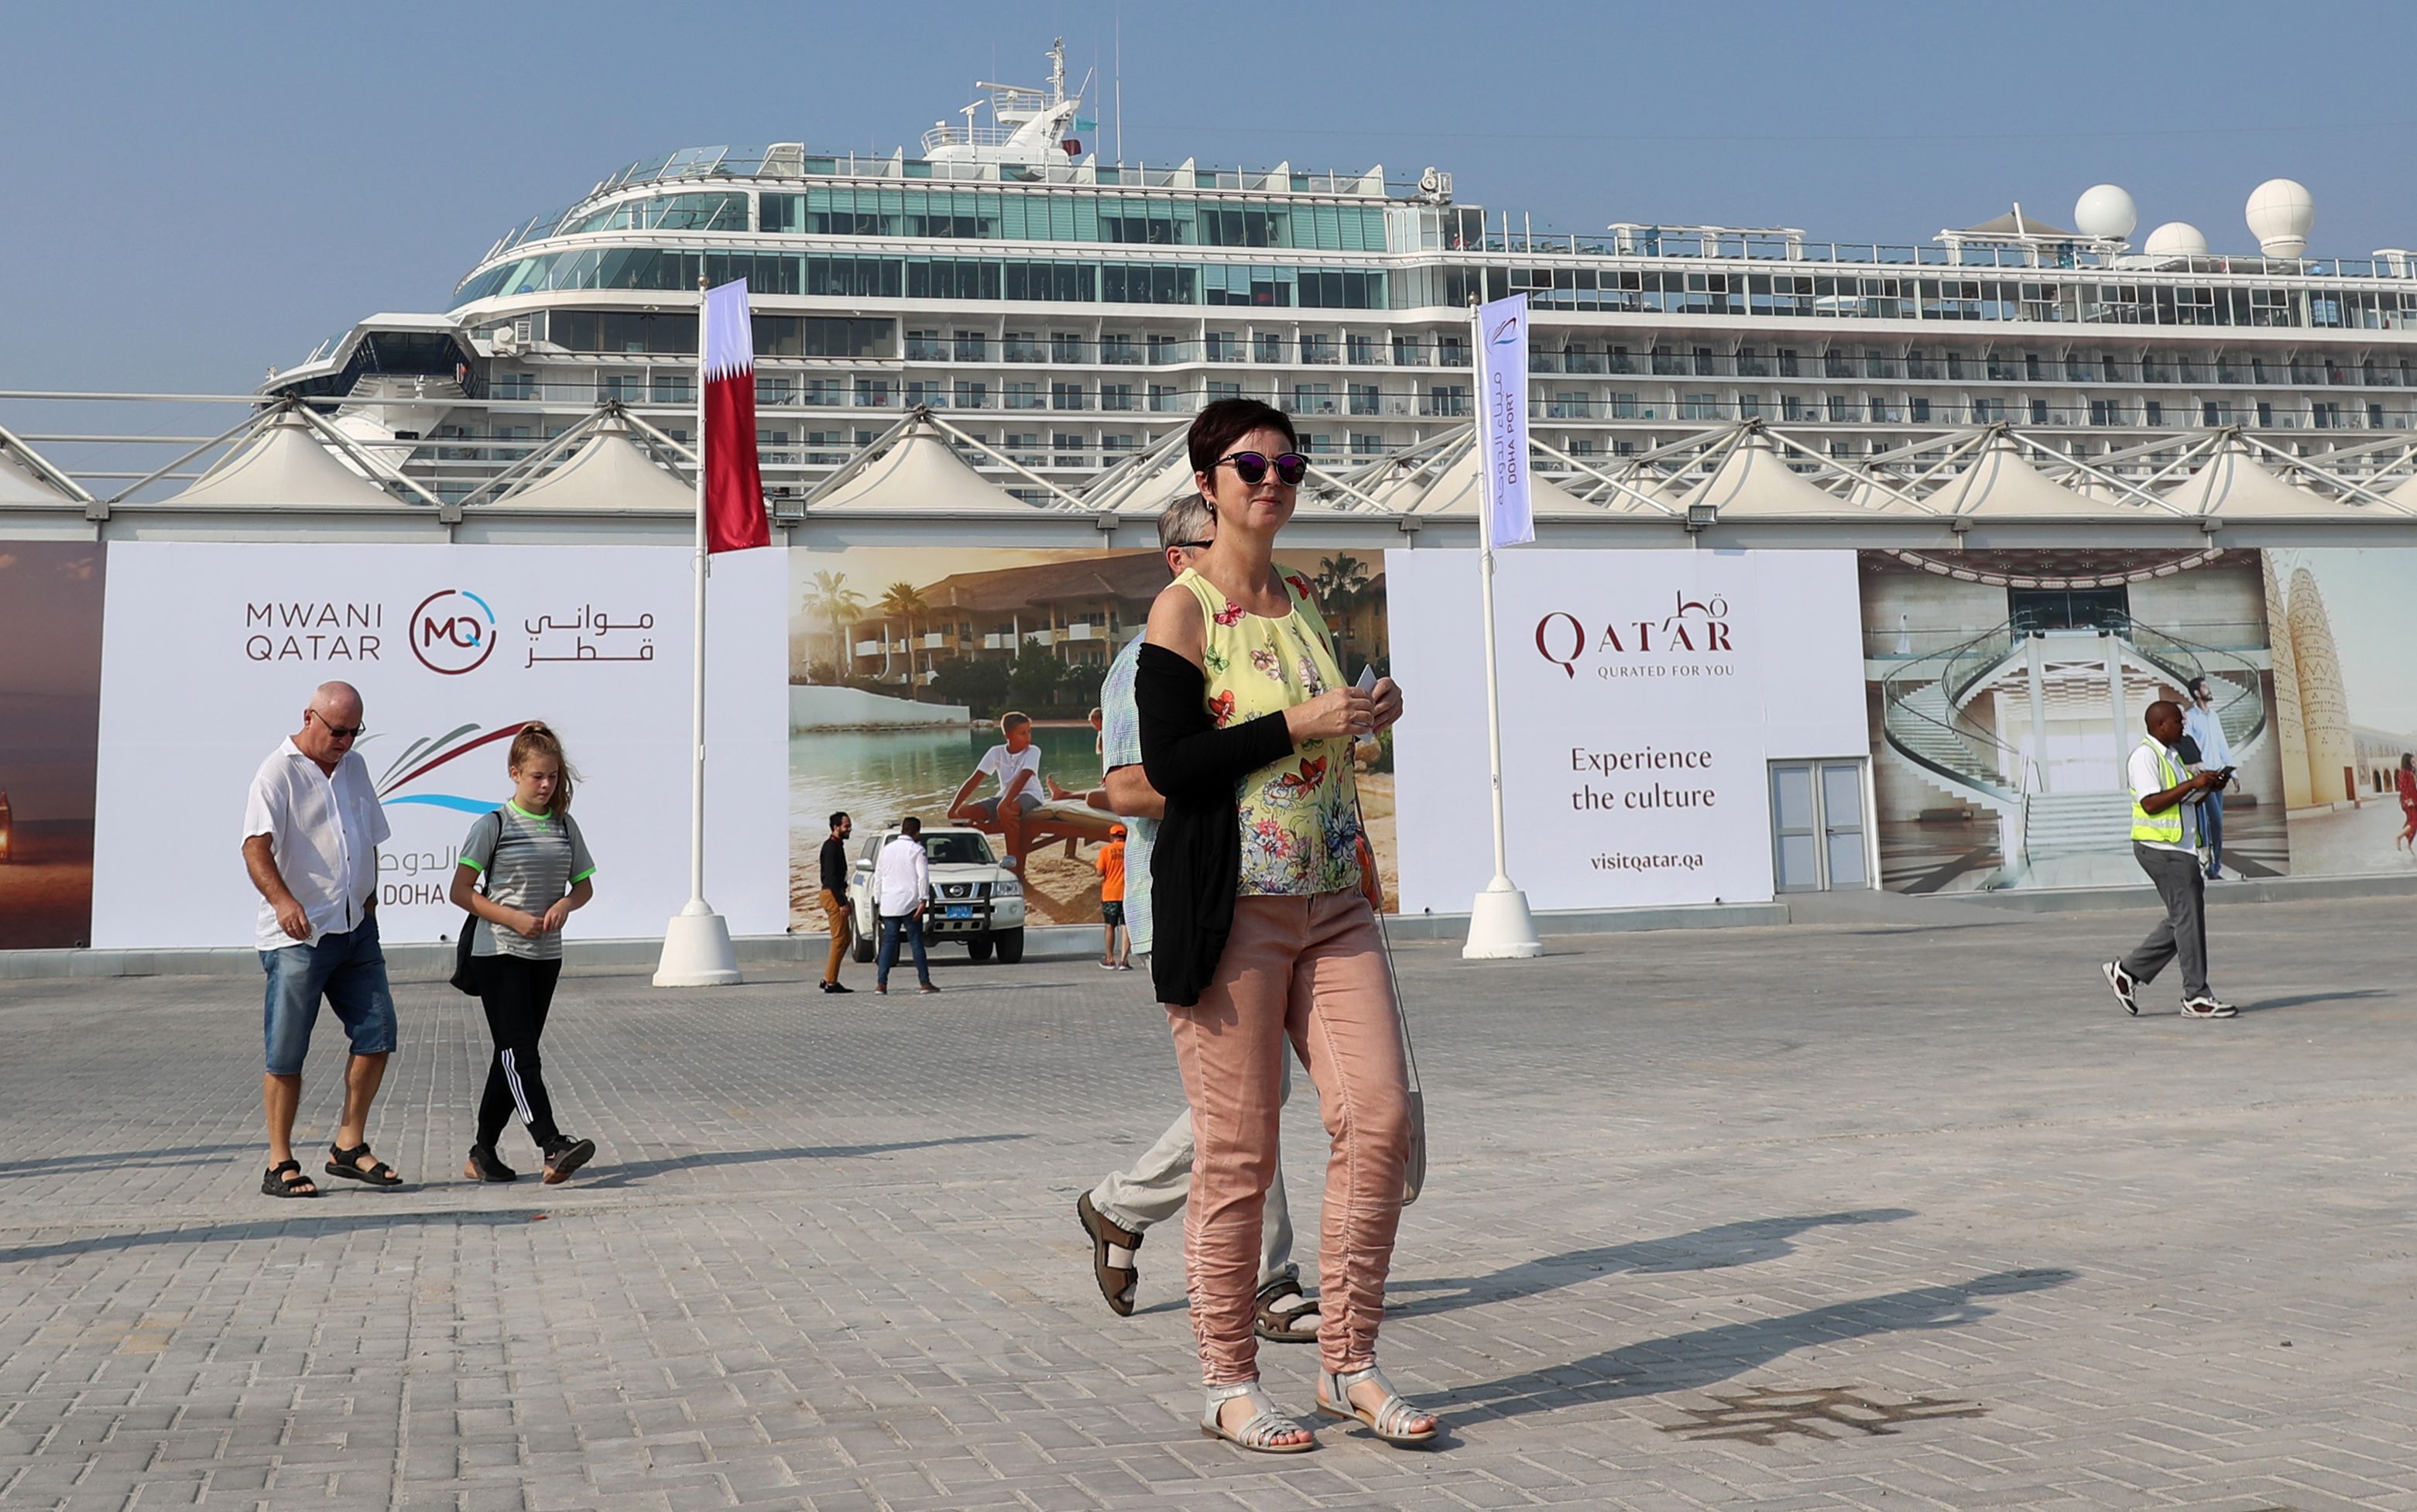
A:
[(1928, 721)]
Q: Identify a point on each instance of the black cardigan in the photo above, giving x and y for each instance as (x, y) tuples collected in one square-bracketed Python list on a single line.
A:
[(1196, 868)]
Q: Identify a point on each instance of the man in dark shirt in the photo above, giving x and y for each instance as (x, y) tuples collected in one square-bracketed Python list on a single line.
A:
[(835, 907)]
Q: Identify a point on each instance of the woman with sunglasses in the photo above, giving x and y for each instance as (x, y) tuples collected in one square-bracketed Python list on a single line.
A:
[(1263, 934)]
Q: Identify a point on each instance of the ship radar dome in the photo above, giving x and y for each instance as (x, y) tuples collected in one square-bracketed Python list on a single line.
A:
[(2176, 239), (2281, 212), (2104, 211)]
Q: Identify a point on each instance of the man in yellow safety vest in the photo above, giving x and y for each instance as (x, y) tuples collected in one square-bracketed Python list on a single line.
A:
[(2168, 850)]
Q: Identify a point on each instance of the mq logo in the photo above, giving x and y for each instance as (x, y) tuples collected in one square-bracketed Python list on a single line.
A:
[(452, 632), (1697, 625)]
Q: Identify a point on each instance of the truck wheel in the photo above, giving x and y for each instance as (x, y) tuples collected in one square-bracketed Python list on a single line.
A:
[(1010, 946), (864, 949), (980, 947)]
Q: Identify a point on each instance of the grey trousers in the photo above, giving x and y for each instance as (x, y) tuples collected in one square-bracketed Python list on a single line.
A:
[(2183, 931), (1154, 1188)]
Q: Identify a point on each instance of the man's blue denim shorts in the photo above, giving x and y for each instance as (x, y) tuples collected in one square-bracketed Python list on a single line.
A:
[(349, 970)]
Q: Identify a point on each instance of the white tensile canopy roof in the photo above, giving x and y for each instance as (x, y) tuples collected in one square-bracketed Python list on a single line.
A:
[(1149, 496), (1753, 484), (283, 464), (2231, 485), (2002, 484), (20, 484), (1458, 492), (608, 471), (919, 474)]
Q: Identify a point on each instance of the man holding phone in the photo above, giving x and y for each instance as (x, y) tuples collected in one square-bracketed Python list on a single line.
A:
[(2162, 839), (2214, 755)]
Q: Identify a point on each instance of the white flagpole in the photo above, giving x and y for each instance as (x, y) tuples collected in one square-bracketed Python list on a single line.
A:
[(696, 691), (1500, 925), (697, 948)]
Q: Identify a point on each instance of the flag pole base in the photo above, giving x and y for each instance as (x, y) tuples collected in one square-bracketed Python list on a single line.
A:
[(697, 952), (1501, 928)]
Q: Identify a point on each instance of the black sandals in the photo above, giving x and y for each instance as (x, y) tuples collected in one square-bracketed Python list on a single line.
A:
[(341, 1163), (285, 1179)]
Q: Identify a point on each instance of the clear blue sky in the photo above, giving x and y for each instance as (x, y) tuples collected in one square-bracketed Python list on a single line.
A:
[(193, 193)]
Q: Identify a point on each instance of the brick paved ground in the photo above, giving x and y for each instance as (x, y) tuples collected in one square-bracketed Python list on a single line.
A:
[(1850, 1216)]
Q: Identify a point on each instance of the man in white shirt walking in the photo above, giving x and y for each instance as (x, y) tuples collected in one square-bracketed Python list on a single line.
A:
[(2167, 850), (2214, 755), (311, 827), (902, 884)]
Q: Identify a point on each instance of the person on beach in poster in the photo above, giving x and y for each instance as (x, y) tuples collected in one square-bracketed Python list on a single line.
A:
[(1015, 765)]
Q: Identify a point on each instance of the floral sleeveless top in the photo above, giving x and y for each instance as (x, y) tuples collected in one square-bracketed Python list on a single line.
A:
[(1300, 816)]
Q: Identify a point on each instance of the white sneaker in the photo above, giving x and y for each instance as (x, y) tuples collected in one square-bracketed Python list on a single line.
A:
[(2124, 986), (2205, 1005)]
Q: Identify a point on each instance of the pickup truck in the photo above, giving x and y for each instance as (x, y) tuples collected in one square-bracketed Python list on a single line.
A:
[(974, 898)]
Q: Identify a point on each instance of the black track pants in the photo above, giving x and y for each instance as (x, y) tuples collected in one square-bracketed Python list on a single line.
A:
[(518, 995)]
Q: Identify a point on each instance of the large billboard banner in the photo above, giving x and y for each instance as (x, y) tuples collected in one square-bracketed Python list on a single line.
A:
[(2007, 689), (49, 720), (210, 652), (1645, 695), (903, 662)]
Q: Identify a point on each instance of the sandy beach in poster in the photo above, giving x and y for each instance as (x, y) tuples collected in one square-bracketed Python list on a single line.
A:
[(902, 658), (2344, 624), (49, 732)]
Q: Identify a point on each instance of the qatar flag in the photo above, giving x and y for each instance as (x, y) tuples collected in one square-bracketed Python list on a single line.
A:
[(733, 499)]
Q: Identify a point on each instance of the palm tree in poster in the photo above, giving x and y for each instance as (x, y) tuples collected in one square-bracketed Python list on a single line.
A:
[(1341, 579), (905, 601), (833, 601)]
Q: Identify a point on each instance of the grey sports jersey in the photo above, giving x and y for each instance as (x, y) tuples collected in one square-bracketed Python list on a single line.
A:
[(527, 862)]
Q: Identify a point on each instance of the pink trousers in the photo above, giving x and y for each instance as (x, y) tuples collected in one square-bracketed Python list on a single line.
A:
[(1311, 970)]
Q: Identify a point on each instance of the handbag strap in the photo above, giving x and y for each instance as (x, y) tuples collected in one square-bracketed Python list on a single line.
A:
[(1384, 937)]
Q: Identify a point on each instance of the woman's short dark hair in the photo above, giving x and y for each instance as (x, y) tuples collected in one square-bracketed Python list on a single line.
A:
[(1229, 421)]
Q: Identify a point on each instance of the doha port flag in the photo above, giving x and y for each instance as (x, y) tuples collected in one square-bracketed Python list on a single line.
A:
[(210, 651), (1645, 696)]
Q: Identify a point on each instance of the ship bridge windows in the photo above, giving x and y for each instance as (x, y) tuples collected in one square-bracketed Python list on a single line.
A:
[(825, 336), (723, 211), (622, 330), (1149, 284), (1223, 227)]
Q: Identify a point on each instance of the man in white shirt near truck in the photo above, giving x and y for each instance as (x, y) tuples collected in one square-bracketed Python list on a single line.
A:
[(902, 886)]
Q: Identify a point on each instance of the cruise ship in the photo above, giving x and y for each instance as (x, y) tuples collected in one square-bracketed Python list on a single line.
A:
[(1056, 316)]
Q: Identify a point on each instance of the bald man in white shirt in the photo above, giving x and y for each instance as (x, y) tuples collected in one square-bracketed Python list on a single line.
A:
[(311, 827)]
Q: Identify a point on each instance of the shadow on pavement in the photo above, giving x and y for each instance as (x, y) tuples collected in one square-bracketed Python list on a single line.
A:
[(1747, 1243), (609, 1177), (184, 1154), (297, 1225), (1706, 1356), (2304, 999)]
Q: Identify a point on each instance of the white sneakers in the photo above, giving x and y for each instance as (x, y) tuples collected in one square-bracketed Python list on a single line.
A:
[(2127, 992)]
